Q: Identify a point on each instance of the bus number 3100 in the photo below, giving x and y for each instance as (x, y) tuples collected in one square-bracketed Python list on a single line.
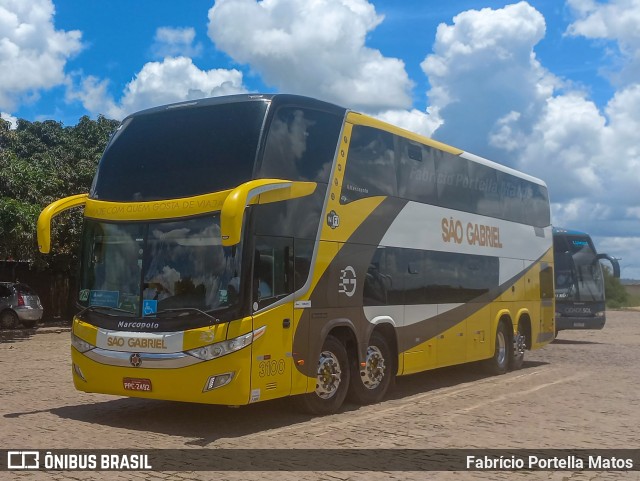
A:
[(272, 367)]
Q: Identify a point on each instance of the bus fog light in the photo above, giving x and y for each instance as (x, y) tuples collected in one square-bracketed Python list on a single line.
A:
[(218, 380), (600, 314), (78, 372)]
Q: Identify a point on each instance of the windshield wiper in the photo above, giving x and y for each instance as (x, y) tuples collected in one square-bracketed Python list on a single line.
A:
[(184, 311), (106, 308)]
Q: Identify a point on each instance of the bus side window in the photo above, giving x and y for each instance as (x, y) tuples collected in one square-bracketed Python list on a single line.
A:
[(300, 145), (272, 269), (302, 262), (416, 171), (371, 165), (546, 282)]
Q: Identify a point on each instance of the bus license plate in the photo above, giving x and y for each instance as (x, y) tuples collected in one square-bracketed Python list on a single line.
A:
[(578, 324), (135, 384)]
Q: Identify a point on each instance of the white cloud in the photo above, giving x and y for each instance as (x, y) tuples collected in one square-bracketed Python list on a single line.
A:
[(33, 54), (566, 138), (483, 68), (624, 248), (423, 123), (175, 79), (13, 121), (314, 48), (175, 42), (615, 20), (495, 98)]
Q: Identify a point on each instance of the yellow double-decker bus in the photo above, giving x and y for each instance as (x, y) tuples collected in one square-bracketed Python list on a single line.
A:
[(245, 248)]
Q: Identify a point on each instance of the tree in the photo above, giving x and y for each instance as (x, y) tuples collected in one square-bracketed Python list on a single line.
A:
[(41, 162), (615, 293)]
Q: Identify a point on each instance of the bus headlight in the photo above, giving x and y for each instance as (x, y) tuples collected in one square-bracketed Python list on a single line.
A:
[(80, 345), (223, 348)]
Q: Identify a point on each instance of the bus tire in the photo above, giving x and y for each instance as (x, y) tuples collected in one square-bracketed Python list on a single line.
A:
[(519, 346), (499, 362), (332, 381), (370, 384)]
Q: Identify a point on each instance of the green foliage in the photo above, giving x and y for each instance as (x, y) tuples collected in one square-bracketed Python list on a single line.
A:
[(615, 293), (41, 162)]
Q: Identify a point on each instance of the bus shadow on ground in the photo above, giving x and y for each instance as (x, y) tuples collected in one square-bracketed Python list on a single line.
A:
[(428, 381), (204, 424), (573, 341)]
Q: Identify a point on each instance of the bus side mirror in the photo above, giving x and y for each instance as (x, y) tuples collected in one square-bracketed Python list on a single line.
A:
[(259, 191), (49, 212), (614, 263)]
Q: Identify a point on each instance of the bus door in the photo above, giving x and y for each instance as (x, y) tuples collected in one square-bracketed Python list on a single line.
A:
[(272, 282)]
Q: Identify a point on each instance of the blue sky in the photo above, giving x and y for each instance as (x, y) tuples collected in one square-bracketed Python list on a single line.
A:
[(550, 87)]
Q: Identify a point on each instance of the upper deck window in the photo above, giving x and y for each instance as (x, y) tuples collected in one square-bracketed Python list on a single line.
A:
[(181, 152), (382, 163), (301, 145)]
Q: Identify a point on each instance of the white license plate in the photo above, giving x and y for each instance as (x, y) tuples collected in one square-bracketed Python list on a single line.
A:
[(136, 384), (578, 324)]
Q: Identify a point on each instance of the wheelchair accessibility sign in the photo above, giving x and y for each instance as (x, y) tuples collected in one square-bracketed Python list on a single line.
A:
[(149, 307)]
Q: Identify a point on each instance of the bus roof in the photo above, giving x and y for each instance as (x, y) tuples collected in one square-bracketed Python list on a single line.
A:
[(226, 99), (310, 102), (561, 230)]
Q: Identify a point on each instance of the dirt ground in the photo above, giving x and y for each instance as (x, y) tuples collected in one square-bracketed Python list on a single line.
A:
[(580, 392)]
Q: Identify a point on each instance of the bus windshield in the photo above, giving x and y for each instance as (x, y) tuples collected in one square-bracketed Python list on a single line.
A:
[(578, 271), (180, 153), (145, 268)]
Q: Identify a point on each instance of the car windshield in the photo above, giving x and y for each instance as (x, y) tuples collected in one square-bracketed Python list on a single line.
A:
[(145, 268)]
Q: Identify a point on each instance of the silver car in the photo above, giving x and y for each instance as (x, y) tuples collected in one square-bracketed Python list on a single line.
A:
[(18, 304)]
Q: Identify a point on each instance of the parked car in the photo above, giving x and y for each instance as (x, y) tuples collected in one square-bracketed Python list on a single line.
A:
[(18, 304)]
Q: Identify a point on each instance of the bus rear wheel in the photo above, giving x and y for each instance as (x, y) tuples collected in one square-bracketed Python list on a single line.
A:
[(332, 380), (519, 346), (370, 383), (499, 362)]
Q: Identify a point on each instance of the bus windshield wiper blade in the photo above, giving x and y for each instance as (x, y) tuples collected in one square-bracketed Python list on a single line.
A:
[(183, 311), (106, 308)]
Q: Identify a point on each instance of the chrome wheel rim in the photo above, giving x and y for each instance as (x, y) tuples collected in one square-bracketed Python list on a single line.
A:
[(373, 372), (329, 375), (519, 343), (501, 348)]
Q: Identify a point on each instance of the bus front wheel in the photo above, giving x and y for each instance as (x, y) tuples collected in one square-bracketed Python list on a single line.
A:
[(369, 383), (332, 380)]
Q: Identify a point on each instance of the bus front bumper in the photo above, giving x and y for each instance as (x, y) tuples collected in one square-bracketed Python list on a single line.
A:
[(225, 380), (592, 322)]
